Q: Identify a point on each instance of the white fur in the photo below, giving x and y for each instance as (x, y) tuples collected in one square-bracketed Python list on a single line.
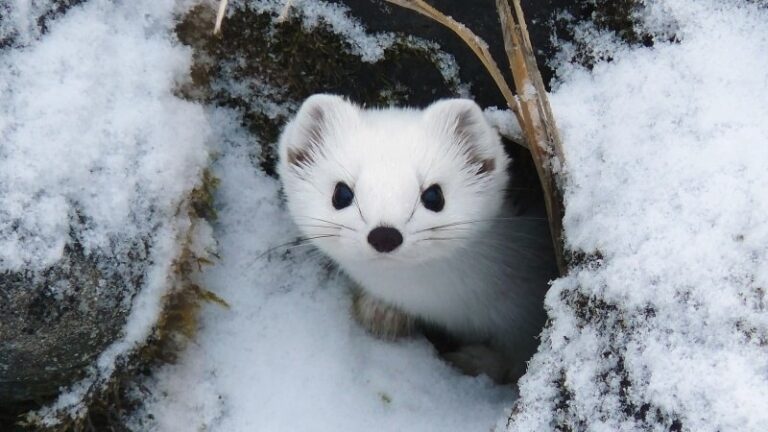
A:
[(485, 284)]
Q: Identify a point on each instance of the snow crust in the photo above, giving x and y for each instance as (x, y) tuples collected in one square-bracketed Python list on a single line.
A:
[(287, 355), (93, 137), (667, 187)]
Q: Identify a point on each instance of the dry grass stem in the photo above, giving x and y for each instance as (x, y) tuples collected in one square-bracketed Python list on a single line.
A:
[(538, 122), (220, 16)]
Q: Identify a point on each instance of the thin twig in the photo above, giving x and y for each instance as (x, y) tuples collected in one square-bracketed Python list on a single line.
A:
[(475, 43), (220, 16)]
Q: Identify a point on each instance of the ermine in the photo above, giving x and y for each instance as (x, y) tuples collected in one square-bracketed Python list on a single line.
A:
[(411, 205)]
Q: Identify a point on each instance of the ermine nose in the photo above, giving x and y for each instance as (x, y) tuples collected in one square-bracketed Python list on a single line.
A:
[(385, 239)]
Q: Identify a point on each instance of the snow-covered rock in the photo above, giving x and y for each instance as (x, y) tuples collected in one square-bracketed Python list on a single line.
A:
[(98, 159), (664, 325)]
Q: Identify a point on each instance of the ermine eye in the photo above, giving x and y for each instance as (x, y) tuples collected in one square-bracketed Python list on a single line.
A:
[(432, 198), (342, 196)]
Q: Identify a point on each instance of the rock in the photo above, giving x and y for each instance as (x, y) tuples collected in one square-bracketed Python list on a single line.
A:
[(55, 322)]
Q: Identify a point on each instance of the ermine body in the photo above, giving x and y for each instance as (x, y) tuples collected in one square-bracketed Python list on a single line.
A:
[(411, 205)]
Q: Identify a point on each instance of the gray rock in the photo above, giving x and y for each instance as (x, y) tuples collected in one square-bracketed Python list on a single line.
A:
[(57, 321)]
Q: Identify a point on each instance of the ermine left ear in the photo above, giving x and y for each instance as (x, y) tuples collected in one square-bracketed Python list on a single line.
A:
[(463, 124), (305, 137)]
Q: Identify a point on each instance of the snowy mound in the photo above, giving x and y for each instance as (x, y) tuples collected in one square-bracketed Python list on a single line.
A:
[(98, 158), (664, 327), (91, 130)]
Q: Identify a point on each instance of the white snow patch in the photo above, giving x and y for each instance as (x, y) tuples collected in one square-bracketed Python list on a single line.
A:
[(287, 355), (90, 128), (667, 178)]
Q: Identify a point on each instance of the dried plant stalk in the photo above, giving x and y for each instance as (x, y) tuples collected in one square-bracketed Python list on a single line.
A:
[(220, 16), (538, 122)]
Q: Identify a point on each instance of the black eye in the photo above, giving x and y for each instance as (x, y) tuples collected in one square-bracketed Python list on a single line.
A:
[(432, 198), (342, 196)]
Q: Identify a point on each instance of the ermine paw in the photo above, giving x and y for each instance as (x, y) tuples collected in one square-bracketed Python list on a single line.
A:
[(380, 319)]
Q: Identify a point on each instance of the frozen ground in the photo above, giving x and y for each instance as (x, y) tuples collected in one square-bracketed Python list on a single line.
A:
[(667, 178)]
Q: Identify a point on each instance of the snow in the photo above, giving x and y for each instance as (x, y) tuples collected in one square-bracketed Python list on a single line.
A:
[(93, 135), (504, 121), (84, 134), (666, 186)]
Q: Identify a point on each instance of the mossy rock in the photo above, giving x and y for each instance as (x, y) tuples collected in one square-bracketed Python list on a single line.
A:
[(264, 69)]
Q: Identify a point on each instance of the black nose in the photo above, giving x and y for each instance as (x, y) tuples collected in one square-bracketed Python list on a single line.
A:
[(385, 239)]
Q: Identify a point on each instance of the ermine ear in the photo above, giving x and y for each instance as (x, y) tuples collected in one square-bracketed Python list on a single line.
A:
[(462, 122), (305, 136)]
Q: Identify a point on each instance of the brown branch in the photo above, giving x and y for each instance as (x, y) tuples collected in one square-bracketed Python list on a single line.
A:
[(475, 43), (538, 122)]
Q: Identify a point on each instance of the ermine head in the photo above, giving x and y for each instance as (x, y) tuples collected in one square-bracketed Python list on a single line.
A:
[(391, 185)]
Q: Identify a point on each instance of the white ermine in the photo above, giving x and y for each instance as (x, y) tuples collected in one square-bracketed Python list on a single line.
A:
[(411, 205)]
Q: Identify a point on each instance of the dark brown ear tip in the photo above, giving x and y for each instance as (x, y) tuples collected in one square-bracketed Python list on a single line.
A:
[(484, 166)]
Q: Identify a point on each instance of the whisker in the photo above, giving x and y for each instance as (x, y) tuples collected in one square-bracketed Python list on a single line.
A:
[(443, 238), (328, 222), (469, 222), (318, 226), (297, 242)]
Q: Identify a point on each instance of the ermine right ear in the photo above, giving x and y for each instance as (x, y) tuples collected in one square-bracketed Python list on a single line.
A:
[(304, 137), (463, 121)]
